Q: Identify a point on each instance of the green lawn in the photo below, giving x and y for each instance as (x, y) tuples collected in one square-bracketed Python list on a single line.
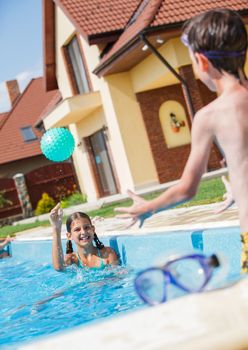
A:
[(210, 191), (12, 230)]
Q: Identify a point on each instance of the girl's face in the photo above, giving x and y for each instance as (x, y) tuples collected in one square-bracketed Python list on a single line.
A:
[(82, 232)]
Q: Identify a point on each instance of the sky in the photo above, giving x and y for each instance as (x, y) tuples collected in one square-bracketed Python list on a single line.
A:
[(21, 44)]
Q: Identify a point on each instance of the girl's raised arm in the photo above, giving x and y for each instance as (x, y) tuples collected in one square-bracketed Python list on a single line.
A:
[(56, 215)]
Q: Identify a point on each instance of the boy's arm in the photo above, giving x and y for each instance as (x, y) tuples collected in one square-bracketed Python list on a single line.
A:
[(202, 138), (57, 251)]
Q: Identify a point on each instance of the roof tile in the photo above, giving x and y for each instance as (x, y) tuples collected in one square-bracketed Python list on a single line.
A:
[(168, 12), (3, 118), (26, 112), (99, 16), (186, 9), (136, 27)]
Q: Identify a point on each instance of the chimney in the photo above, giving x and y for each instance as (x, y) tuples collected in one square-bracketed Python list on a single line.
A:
[(13, 91)]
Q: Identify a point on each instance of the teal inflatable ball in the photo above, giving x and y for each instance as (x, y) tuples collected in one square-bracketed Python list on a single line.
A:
[(57, 144)]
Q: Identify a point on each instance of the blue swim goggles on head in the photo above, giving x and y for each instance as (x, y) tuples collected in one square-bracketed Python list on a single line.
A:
[(180, 275), (213, 54)]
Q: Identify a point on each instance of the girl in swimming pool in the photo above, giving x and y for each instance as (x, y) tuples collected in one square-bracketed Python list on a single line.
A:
[(82, 232)]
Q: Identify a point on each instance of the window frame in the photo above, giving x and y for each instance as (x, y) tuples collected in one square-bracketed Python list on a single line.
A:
[(30, 129), (71, 68)]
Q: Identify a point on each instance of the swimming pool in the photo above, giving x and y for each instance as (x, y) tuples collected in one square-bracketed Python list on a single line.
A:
[(36, 300)]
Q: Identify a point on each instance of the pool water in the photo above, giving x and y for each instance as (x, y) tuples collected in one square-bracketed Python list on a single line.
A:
[(36, 300)]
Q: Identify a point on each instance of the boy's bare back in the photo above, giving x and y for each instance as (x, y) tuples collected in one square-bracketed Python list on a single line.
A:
[(227, 118)]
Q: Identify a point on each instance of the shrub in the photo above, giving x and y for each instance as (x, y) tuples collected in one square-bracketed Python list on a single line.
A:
[(73, 199), (45, 204), (61, 191)]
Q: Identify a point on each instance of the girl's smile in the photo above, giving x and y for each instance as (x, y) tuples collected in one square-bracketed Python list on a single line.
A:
[(84, 238)]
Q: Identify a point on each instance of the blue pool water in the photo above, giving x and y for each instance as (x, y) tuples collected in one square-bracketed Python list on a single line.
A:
[(36, 300)]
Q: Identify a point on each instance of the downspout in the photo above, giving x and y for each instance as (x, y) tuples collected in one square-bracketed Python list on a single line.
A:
[(174, 72)]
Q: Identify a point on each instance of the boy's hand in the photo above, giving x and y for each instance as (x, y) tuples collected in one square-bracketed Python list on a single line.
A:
[(56, 215), (228, 198), (138, 211)]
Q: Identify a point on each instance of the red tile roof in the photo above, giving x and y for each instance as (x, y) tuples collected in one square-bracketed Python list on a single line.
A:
[(142, 21), (172, 11), (26, 112), (98, 16), (166, 12), (3, 117)]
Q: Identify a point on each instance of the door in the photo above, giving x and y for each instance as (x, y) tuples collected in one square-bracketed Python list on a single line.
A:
[(102, 164)]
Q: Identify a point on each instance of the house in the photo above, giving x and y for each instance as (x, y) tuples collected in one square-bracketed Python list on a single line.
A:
[(21, 152), (19, 139), (128, 89)]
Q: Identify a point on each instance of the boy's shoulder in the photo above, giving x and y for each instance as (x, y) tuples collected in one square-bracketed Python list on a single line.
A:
[(214, 108)]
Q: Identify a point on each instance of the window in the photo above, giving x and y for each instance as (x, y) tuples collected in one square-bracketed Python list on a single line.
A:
[(77, 69), (28, 134)]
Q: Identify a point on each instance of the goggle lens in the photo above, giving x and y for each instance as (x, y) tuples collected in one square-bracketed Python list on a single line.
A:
[(188, 273), (151, 286)]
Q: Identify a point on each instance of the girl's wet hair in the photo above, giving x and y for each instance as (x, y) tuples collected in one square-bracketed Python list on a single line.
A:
[(221, 36), (78, 215)]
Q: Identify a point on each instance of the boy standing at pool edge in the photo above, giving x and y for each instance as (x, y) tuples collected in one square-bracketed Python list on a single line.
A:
[(217, 43)]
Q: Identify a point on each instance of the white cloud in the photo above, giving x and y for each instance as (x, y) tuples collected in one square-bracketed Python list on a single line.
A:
[(25, 77), (23, 80)]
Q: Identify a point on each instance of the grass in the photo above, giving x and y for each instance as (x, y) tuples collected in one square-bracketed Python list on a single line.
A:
[(210, 191), (12, 230)]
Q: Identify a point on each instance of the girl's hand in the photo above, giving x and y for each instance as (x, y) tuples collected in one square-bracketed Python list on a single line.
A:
[(138, 211), (8, 239), (55, 217)]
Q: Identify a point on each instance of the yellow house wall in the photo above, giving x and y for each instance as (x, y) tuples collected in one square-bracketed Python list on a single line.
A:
[(121, 164), (91, 54), (151, 73), (91, 124), (64, 33), (86, 127), (132, 130), (82, 167)]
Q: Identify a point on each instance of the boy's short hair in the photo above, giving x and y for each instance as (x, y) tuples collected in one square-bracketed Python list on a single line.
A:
[(221, 36)]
